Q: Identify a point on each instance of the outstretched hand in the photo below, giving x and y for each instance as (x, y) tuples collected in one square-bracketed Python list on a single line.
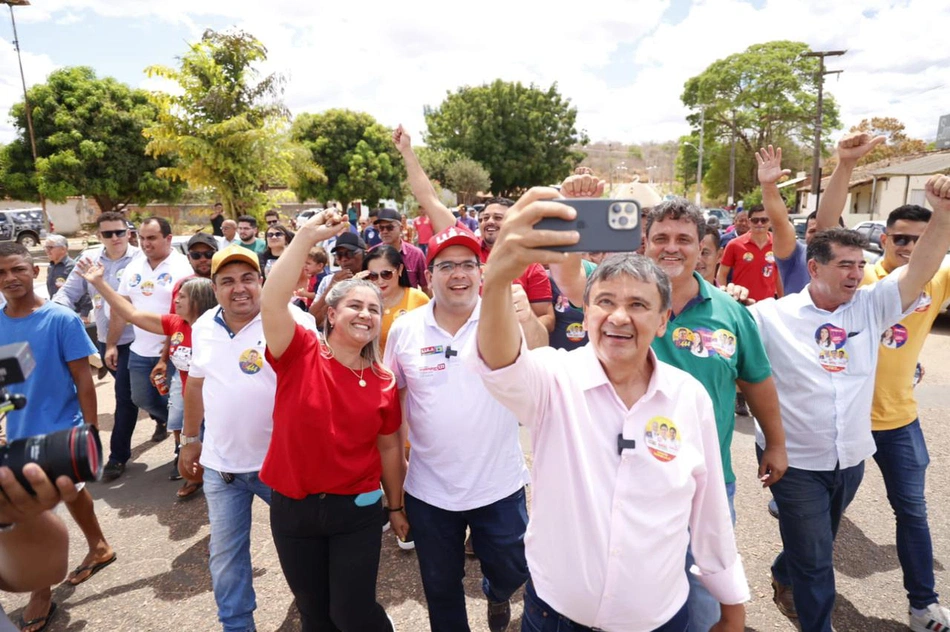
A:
[(91, 272), (582, 185), (324, 225), (770, 165), (938, 193), (857, 145)]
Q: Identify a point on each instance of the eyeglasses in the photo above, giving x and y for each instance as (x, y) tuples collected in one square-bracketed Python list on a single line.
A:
[(448, 267), (385, 275), (109, 234), (759, 220), (204, 254), (903, 240), (386, 227), (275, 235)]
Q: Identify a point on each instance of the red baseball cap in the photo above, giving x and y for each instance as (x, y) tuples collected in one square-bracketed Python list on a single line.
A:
[(452, 236)]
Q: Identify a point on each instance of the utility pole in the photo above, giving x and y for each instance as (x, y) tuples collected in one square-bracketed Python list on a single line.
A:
[(732, 162), (816, 154), (699, 165)]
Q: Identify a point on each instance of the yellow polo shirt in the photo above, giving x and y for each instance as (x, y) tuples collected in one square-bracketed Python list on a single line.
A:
[(894, 404)]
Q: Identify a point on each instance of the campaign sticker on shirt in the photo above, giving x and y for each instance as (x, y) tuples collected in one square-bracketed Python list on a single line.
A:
[(724, 343), (767, 270), (251, 361), (830, 338), (436, 350), (401, 312), (894, 337), (575, 332), (682, 337), (923, 304), (770, 256), (164, 279), (703, 343), (60, 281), (148, 288), (833, 361), (176, 339), (135, 280), (97, 301), (562, 305), (748, 256), (662, 439)]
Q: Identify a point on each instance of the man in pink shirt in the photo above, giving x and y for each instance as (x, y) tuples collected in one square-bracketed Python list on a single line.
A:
[(614, 505)]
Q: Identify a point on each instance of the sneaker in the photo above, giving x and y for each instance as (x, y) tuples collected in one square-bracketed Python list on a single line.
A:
[(499, 615), (784, 598), (741, 407), (773, 509), (112, 471), (935, 618), (408, 544), (175, 475), (161, 431)]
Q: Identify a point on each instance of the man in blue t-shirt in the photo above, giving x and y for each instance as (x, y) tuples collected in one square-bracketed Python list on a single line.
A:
[(60, 394)]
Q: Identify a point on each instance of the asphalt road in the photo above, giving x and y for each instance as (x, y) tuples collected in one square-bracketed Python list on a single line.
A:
[(161, 581)]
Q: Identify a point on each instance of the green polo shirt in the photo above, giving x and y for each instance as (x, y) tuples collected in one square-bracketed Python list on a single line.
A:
[(715, 340)]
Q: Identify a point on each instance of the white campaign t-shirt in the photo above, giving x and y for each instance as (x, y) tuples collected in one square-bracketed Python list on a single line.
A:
[(465, 448), (238, 392), (150, 290)]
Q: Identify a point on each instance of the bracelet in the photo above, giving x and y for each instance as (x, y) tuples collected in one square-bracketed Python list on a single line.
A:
[(394, 509)]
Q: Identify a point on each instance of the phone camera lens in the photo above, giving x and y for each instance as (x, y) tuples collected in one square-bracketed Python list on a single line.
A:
[(631, 208), (623, 220), (616, 208)]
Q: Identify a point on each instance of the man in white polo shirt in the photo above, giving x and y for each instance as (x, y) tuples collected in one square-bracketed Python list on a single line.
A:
[(466, 468), (232, 389), (823, 344), (147, 282), (613, 508)]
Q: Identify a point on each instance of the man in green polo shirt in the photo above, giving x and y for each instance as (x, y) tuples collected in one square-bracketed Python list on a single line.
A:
[(710, 336)]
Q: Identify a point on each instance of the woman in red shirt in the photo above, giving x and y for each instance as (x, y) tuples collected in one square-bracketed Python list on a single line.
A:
[(194, 298), (337, 434)]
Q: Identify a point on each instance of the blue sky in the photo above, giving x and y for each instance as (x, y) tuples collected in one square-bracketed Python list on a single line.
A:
[(622, 62)]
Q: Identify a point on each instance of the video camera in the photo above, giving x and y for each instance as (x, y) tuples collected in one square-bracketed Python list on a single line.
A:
[(73, 452)]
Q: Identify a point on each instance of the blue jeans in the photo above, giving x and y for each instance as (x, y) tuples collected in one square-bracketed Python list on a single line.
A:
[(903, 459), (498, 539), (810, 506), (703, 607), (126, 412), (229, 512), (540, 617), (143, 392), (176, 404)]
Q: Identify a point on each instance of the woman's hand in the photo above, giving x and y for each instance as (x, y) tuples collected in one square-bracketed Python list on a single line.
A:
[(399, 523)]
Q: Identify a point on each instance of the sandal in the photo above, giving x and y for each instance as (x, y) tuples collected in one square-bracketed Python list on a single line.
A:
[(187, 491), (93, 568), (38, 620)]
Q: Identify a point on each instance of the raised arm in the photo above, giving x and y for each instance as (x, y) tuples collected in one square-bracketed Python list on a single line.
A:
[(72, 291), (121, 307), (851, 149), (770, 172), (933, 244), (429, 203), (276, 317)]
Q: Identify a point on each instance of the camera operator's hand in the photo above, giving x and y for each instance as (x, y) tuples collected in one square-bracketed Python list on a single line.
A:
[(18, 506)]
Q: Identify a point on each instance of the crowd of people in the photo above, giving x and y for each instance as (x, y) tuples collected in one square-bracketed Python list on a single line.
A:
[(355, 381)]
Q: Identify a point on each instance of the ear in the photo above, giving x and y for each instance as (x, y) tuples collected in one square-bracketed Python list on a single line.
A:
[(36, 272), (884, 240), (661, 329), (812, 268), (428, 277)]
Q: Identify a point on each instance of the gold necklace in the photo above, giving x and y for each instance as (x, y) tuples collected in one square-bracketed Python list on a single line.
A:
[(359, 375)]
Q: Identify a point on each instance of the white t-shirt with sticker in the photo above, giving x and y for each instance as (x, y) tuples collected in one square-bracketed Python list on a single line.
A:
[(150, 290)]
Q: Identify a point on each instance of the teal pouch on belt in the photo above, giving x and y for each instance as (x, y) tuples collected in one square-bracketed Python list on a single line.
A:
[(368, 498)]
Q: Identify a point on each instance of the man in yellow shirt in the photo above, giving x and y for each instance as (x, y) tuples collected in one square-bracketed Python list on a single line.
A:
[(901, 451)]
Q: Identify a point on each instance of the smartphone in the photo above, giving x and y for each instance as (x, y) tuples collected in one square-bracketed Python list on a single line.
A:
[(604, 225)]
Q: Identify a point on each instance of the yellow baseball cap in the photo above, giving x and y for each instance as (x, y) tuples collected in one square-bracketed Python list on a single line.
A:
[(234, 253)]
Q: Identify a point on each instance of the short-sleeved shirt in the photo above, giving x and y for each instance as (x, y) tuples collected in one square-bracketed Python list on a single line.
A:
[(794, 270), (150, 290), (56, 336), (179, 343), (569, 332), (414, 262), (411, 299), (325, 424), (423, 229), (894, 404), (258, 245), (752, 267), (371, 237), (535, 281)]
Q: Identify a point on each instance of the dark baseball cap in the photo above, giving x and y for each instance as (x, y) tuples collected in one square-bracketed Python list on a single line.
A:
[(388, 215), (203, 238), (350, 241)]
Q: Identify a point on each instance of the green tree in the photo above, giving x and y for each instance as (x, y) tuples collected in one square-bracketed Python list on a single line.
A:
[(435, 162), (766, 93), (467, 178), (898, 142), (524, 136), (228, 128), (356, 155), (88, 141)]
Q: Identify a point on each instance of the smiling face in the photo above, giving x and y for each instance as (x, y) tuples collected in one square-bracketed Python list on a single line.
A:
[(490, 221), (183, 306), (623, 317), (388, 287), (455, 291), (759, 220), (742, 223), (17, 274), (356, 317), (674, 245), (896, 256), (156, 246), (237, 286), (709, 256), (835, 283)]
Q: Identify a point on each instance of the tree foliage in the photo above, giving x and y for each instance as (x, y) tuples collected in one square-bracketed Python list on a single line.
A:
[(436, 162), (227, 128), (766, 93), (356, 155), (467, 178), (898, 142), (89, 142), (523, 135)]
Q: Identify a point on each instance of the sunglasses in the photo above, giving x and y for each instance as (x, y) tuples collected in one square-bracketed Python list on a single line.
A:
[(109, 234), (386, 227), (759, 220), (271, 222), (903, 240), (385, 275), (204, 254), (274, 235)]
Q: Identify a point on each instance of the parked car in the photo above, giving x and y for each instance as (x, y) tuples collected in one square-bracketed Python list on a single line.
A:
[(24, 226), (800, 222), (725, 219)]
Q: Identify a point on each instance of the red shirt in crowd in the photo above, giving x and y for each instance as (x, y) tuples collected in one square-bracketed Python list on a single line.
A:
[(535, 280), (752, 267), (179, 344), (325, 423)]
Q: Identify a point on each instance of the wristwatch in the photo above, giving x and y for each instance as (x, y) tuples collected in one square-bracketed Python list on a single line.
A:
[(185, 440)]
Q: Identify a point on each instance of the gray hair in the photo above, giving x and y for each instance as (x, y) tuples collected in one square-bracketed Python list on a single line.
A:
[(57, 241), (677, 208), (200, 292), (371, 352), (636, 266)]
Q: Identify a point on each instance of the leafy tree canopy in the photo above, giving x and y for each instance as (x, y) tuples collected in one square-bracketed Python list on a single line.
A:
[(468, 178)]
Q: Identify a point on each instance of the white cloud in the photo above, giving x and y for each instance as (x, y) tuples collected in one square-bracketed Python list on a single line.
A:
[(35, 69)]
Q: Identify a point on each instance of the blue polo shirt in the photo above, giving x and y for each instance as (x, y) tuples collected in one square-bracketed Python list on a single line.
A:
[(794, 270)]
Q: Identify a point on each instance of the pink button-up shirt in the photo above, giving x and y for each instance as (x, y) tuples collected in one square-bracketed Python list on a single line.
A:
[(608, 533)]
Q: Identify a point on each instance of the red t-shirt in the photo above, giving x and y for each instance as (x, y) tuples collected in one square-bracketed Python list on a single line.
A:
[(176, 289), (179, 344), (535, 280), (423, 229), (325, 423), (752, 267)]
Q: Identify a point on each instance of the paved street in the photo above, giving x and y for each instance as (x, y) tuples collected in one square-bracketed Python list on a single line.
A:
[(161, 580)]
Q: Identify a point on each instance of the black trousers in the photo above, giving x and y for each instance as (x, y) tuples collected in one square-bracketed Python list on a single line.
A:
[(329, 552)]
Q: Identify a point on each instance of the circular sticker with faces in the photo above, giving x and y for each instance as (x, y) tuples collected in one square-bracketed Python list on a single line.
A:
[(251, 361), (833, 361), (663, 439), (830, 340), (575, 332), (923, 304), (148, 288), (894, 337), (748, 256)]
